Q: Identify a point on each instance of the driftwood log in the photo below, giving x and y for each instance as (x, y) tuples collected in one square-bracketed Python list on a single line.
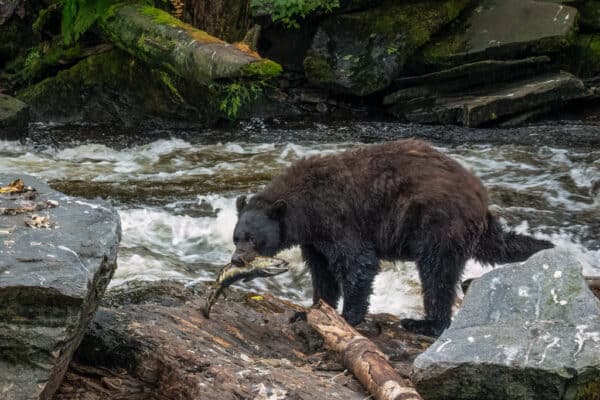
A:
[(150, 342), (360, 355), (162, 40)]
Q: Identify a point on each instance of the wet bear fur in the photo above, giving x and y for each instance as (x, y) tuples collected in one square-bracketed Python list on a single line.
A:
[(399, 200)]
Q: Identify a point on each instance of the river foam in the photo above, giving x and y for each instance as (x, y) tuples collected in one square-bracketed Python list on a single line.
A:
[(177, 204)]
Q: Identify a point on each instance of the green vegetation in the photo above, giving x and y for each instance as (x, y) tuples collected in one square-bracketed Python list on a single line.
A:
[(78, 16), (289, 11), (236, 94)]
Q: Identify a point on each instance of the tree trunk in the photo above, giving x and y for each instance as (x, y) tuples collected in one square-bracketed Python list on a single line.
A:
[(360, 355), (162, 40)]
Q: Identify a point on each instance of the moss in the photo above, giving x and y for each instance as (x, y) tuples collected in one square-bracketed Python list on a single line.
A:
[(455, 45), (164, 18), (262, 68), (166, 79), (416, 21), (589, 390), (38, 65), (582, 58), (137, 93), (366, 50), (318, 69)]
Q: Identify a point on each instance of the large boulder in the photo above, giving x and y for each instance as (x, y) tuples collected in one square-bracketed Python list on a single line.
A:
[(51, 281), (502, 29), (14, 118), (528, 331), (362, 52)]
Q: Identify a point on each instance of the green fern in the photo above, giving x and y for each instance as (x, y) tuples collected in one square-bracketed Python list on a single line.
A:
[(234, 95), (78, 16), (289, 11)]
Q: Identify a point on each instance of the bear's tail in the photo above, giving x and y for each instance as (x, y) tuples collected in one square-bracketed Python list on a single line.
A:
[(497, 246)]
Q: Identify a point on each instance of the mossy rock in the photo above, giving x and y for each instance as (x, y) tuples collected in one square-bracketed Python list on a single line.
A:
[(502, 30), (583, 58), (115, 88), (589, 15), (362, 52)]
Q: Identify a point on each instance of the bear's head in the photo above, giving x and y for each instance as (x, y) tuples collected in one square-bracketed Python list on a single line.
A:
[(259, 229)]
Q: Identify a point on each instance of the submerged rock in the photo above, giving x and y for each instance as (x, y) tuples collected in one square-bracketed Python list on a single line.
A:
[(528, 331), (14, 117), (502, 29), (51, 281), (362, 52)]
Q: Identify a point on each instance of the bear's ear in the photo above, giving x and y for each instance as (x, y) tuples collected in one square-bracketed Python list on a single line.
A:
[(240, 203), (277, 209)]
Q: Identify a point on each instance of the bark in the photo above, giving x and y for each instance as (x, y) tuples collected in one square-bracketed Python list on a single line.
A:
[(150, 341), (361, 356), (161, 40)]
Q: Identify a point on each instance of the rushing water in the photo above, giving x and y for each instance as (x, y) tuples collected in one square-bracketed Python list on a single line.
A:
[(176, 200)]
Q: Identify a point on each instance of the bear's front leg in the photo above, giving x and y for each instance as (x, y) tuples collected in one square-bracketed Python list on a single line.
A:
[(357, 285), (325, 284)]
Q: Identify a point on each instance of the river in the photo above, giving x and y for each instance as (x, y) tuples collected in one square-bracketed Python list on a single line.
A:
[(176, 192)]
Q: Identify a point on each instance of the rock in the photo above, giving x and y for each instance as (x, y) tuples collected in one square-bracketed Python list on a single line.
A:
[(501, 29), (114, 88), (8, 8), (51, 281), (152, 338), (529, 331), (488, 105), (474, 74), (362, 52), (14, 118)]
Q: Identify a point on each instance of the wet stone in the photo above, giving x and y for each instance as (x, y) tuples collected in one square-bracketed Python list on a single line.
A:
[(51, 281), (526, 331), (488, 105)]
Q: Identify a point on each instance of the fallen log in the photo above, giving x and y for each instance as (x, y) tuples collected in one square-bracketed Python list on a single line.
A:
[(162, 40), (149, 340), (360, 355)]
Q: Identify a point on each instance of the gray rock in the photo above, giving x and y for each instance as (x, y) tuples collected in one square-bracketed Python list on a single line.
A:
[(528, 331), (8, 8), (489, 105), (502, 29), (362, 52), (51, 281), (14, 118)]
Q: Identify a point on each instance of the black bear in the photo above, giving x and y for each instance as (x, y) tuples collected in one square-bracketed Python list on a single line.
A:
[(399, 200)]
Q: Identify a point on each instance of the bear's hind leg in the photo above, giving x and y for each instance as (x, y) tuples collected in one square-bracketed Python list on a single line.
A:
[(325, 284), (439, 271)]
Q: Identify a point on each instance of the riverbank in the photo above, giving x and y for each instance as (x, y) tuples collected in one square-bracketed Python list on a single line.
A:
[(477, 63)]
